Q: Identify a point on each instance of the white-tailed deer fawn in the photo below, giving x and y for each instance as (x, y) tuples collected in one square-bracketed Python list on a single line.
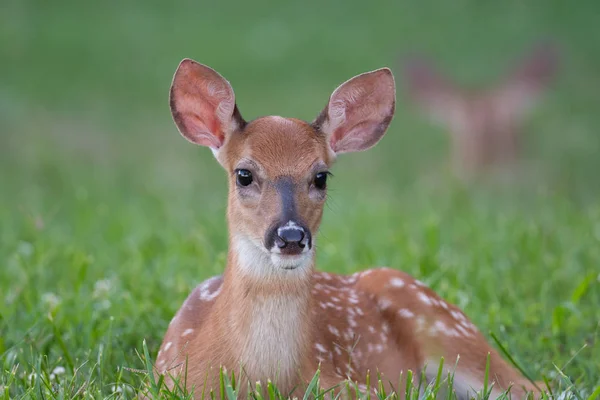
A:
[(485, 123), (271, 314)]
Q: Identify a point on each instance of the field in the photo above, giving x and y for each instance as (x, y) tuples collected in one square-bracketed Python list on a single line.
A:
[(109, 218)]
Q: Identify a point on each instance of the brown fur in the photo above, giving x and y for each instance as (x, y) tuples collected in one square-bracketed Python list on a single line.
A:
[(379, 320)]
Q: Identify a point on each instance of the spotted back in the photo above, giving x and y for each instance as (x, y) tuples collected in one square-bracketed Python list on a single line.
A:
[(378, 321)]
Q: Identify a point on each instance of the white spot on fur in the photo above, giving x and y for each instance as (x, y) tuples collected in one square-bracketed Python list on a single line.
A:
[(457, 315), (349, 368), (187, 332), (326, 276), (405, 313), (383, 337), (207, 291), (463, 331), (385, 304), (420, 323), (366, 272), (438, 326), (168, 346), (397, 282), (320, 348), (419, 283), (452, 333), (424, 298), (333, 330), (350, 334), (385, 327)]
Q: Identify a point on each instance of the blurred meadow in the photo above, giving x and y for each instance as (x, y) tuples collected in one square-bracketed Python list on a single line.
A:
[(109, 218)]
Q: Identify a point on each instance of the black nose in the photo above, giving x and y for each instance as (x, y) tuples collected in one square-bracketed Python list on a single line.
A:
[(290, 235), (290, 238)]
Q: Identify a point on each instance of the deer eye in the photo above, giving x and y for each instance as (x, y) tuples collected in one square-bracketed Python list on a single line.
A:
[(321, 180), (243, 177)]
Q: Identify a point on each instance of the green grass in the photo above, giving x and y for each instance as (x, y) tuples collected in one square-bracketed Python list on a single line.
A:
[(109, 218)]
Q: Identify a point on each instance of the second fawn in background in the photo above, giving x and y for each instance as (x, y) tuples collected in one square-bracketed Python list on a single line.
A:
[(485, 123), (272, 315)]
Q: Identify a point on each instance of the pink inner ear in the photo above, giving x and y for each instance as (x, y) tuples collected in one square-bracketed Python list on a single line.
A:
[(199, 132), (360, 111), (202, 104), (361, 136)]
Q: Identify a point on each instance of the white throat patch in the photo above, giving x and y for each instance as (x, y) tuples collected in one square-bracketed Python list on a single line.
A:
[(256, 262)]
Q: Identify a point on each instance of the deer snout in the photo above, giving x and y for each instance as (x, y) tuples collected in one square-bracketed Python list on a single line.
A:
[(290, 238), (285, 236)]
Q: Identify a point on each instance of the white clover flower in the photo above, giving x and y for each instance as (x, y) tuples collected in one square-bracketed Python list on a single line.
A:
[(102, 288), (51, 300), (58, 370), (31, 378), (116, 389)]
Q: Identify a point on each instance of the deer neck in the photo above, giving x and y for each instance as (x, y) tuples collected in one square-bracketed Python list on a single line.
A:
[(266, 313)]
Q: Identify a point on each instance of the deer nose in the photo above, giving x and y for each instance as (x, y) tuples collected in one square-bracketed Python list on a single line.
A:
[(290, 238), (290, 235)]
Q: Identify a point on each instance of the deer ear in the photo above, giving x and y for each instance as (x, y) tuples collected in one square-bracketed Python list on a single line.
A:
[(203, 105), (359, 111), (527, 80), (432, 92)]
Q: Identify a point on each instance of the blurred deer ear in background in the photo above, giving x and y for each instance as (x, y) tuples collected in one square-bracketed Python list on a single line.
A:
[(485, 123)]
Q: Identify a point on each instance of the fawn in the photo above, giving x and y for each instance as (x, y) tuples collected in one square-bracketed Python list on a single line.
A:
[(271, 314), (485, 123)]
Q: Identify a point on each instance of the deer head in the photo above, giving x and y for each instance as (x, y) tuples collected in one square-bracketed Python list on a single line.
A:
[(485, 123), (278, 167)]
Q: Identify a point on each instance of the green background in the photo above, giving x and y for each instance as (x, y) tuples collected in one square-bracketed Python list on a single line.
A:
[(108, 218)]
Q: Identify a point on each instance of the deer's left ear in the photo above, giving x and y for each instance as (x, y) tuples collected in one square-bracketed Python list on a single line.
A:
[(359, 111), (203, 105)]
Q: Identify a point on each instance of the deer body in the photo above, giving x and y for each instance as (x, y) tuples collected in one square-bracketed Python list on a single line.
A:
[(272, 315), (486, 123)]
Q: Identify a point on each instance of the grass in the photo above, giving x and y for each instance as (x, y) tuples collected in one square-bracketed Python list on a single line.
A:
[(109, 219)]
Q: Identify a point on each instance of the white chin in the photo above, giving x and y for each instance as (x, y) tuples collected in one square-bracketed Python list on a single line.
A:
[(256, 261), (290, 262)]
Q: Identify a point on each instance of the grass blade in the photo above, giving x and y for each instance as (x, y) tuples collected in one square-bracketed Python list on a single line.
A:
[(312, 385)]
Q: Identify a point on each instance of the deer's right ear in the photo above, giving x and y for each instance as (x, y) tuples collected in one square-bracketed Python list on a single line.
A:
[(359, 111), (203, 105)]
